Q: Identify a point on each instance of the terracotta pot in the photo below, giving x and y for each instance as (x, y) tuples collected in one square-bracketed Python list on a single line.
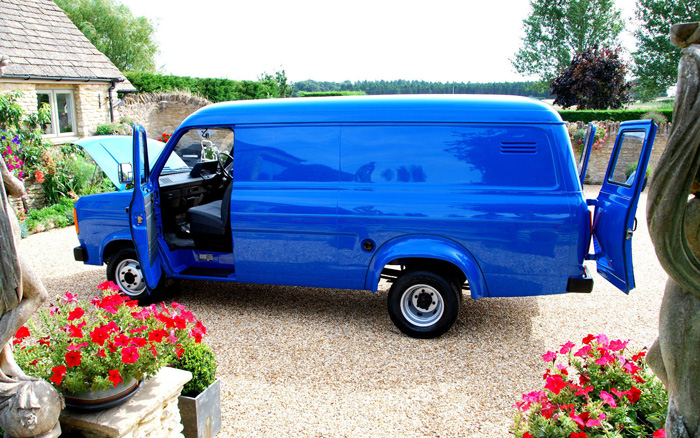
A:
[(99, 400)]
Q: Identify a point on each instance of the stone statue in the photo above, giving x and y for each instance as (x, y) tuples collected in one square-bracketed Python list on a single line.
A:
[(673, 215), (28, 406)]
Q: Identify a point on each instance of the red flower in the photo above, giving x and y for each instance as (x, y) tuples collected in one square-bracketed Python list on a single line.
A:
[(114, 377), (138, 342), (661, 433), (130, 355), (108, 285), (583, 351), (527, 435), (579, 435), (39, 176), (157, 335), (122, 341), (555, 384), (99, 335), (58, 373), (101, 353), (633, 394), (179, 350), (638, 356), (73, 358), (75, 332), (22, 333), (588, 339), (75, 314), (618, 345)]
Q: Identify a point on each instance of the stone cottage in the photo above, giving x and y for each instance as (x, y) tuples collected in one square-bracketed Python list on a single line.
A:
[(45, 56)]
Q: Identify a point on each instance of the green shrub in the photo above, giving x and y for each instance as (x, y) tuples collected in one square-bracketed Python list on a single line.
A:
[(614, 115), (633, 167), (330, 93), (656, 116), (198, 359), (54, 216), (121, 128)]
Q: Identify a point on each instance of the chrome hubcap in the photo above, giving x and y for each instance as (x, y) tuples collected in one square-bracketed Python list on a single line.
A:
[(129, 277), (422, 305)]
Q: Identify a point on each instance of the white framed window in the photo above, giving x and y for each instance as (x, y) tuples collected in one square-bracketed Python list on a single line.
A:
[(62, 112)]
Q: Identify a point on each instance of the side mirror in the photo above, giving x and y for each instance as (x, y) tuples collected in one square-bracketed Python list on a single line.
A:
[(126, 173)]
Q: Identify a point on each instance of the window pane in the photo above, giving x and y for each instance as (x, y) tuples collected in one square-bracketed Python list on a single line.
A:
[(44, 98), (64, 103), (627, 158)]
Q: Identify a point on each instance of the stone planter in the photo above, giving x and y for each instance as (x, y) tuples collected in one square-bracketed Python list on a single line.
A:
[(101, 400), (201, 415)]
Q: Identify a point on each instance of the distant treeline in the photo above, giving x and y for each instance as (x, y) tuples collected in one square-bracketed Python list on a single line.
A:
[(421, 87)]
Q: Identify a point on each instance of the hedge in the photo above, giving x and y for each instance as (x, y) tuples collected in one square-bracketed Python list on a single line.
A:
[(614, 115), (330, 93), (215, 90)]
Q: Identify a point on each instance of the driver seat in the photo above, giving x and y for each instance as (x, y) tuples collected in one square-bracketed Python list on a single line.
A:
[(211, 218)]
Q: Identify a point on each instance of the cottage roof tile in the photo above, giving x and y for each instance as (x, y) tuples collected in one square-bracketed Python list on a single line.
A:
[(40, 40)]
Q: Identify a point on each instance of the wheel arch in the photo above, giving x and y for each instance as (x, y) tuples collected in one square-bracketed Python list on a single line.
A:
[(113, 247), (430, 253)]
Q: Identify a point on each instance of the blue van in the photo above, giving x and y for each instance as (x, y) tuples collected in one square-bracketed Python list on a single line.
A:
[(436, 194)]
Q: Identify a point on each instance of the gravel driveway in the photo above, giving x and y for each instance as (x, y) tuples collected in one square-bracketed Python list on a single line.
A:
[(298, 362)]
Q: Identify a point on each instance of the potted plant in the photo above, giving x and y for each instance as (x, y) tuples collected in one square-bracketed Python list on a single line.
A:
[(97, 353), (200, 402)]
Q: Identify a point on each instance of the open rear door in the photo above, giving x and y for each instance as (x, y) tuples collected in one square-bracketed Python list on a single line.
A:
[(142, 217), (614, 219), (586, 147)]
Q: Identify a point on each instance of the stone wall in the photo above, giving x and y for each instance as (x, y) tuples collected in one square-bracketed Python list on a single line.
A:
[(598, 164), (160, 113)]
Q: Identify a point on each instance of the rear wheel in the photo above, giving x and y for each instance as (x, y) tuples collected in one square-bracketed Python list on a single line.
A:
[(124, 270), (423, 304)]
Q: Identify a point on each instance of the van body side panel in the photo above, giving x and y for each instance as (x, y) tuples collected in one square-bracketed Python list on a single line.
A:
[(284, 204), (103, 219), (494, 189)]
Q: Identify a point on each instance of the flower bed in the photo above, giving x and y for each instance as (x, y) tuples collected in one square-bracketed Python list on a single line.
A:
[(595, 391)]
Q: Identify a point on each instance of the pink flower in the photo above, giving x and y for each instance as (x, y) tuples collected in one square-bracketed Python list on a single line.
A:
[(70, 298), (130, 355), (583, 351), (555, 384), (618, 345), (75, 314), (602, 340), (607, 399), (566, 347), (549, 356)]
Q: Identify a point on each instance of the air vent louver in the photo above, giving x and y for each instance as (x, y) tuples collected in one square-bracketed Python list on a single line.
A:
[(519, 148)]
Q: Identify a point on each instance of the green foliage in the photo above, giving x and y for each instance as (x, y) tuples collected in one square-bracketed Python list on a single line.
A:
[(126, 40), (556, 30), (656, 59), (578, 135), (21, 133), (330, 93), (421, 87), (656, 116), (121, 128), (215, 90), (66, 172), (54, 216), (198, 359), (633, 167), (594, 80), (614, 115)]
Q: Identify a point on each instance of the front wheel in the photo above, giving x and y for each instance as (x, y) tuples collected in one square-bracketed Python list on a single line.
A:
[(423, 304), (124, 270)]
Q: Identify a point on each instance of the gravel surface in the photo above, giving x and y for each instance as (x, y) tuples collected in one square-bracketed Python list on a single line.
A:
[(300, 362)]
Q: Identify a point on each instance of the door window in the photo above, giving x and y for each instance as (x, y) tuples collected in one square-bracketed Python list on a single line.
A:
[(627, 159)]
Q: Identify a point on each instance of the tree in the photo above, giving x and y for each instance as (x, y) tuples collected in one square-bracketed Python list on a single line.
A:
[(556, 30), (126, 40), (656, 58), (275, 85), (594, 80)]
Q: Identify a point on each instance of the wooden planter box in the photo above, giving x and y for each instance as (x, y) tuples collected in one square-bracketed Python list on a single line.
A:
[(201, 416)]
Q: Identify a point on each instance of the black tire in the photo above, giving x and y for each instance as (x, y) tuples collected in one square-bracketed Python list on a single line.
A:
[(124, 270), (423, 304)]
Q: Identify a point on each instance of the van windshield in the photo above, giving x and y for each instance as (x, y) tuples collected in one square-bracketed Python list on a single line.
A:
[(191, 145)]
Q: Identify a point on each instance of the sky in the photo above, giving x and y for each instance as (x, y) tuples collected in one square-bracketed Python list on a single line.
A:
[(331, 40)]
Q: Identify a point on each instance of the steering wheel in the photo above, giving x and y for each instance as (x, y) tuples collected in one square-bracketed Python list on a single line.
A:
[(222, 163)]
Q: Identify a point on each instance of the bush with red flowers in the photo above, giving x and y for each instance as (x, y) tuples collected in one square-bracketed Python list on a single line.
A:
[(598, 390), (80, 346)]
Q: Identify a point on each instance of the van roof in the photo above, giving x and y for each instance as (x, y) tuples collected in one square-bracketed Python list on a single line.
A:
[(354, 109)]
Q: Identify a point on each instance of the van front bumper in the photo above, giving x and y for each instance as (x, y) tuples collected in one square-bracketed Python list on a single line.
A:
[(80, 254)]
